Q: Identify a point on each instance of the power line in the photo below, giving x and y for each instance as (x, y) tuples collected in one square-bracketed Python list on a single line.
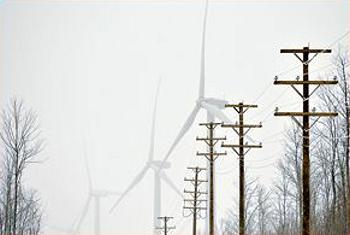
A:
[(267, 88), (283, 92), (269, 85)]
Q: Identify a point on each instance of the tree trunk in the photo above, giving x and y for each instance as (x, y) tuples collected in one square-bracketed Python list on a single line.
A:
[(14, 230)]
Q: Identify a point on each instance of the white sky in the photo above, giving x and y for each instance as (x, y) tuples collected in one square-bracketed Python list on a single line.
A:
[(90, 68)]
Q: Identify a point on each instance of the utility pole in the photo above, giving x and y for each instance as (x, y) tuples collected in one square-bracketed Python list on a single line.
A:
[(306, 114), (211, 156), (166, 228), (347, 151), (195, 203), (243, 129)]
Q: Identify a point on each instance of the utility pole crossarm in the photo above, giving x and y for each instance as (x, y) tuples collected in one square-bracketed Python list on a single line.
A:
[(243, 126), (192, 192), (195, 208), (198, 200), (197, 168), (241, 106), (213, 154), (207, 138), (312, 82), (195, 180), (311, 114), (208, 123), (307, 50), (241, 146), (165, 217)]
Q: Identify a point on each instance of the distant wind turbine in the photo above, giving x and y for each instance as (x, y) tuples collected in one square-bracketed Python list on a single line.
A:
[(69, 231), (95, 196), (158, 168)]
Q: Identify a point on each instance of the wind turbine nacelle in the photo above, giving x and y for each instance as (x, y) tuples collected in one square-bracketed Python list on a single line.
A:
[(217, 102), (163, 165)]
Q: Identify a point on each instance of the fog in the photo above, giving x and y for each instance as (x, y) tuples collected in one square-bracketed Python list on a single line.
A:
[(90, 70)]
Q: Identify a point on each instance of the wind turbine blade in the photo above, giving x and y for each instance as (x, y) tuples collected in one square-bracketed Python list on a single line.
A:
[(83, 214), (183, 131), (216, 112), (151, 147), (202, 66), (170, 183), (136, 180)]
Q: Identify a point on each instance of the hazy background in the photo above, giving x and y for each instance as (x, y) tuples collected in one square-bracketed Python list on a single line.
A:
[(90, 69)]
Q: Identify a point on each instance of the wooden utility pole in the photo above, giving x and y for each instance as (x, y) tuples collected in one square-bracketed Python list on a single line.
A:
[(195, 203), (166, 228), (347, 153), (306, 114), (241, 129), (211, 156)]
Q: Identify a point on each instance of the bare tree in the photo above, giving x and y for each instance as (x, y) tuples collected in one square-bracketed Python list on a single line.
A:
[(288, 184), (257, 209), (342, 63), (22, 144), (264, 211), (286, 197), (332, 153), (231, 223)]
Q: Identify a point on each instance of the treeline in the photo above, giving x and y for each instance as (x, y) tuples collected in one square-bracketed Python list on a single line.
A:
[(278, 209), (20, 209)]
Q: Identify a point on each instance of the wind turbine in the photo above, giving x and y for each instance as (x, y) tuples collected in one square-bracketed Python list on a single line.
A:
[(69, 231), (213, 106), (158, 168), (94, 196)]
